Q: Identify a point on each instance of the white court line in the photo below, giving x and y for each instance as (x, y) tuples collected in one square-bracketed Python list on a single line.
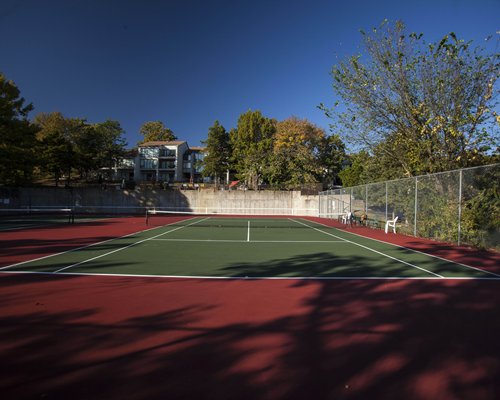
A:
[(253, 241), (370, 249), (272, 278), (126, 247), (248, 231), (415, 251)]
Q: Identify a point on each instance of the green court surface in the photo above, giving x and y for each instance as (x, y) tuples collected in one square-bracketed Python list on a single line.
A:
[(249, 248)]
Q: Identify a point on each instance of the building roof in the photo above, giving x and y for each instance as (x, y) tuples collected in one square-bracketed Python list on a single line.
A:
[(199, 148), (162, 143)]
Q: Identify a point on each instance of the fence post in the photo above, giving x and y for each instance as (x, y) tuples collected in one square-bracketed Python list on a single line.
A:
[(386, 201), (350, 201), (459, 206), (416, 204), (366, 200), (319, 204)]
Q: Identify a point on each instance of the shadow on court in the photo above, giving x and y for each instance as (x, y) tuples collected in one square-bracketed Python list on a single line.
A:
[(21, 245), (369, 264), (488, 260), (322, 265), (136, 338)]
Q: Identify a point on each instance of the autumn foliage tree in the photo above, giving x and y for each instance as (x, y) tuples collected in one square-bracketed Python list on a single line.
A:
[(155, 131), (294, 158)]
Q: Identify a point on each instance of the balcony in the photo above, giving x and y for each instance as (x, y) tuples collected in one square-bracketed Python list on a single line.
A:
[(148, 164), (167, 153), (166, 165)]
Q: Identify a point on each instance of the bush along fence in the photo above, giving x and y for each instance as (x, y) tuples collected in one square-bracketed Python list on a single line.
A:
[(460, 206)]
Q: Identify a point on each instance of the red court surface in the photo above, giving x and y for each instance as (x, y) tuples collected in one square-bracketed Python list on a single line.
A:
[(102, 337), (112, 337)]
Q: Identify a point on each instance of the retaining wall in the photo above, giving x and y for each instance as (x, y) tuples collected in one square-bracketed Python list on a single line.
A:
[(116, 200)]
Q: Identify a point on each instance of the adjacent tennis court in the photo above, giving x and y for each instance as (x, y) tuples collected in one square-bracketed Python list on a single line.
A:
[(208, 306)]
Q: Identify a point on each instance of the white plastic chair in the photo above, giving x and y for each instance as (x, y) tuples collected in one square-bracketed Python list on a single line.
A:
[(346, 218), (391, 224)]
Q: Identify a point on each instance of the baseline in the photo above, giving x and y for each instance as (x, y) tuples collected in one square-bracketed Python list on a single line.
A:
[(249, 278)]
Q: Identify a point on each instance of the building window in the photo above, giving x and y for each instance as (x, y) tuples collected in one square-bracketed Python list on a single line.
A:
[(148, 152), (148, 164), (167, 164), (167, 153), (149, 176)]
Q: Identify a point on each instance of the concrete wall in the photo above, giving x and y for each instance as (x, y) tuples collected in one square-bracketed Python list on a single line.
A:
[(113, 200)]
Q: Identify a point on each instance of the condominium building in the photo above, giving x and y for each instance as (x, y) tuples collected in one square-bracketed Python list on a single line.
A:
[(162, 161)]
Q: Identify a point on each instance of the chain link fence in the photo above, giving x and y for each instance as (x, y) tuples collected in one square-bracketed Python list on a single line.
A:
[(461, 206)]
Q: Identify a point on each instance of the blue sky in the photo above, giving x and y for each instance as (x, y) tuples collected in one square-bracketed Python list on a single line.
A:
[(188, 63)]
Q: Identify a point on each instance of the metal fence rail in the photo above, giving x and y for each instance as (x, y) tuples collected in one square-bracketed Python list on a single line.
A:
[(461, 206)]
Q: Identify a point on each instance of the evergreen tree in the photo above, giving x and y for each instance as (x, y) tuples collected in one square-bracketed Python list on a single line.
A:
[(18, 144), (218, 152)]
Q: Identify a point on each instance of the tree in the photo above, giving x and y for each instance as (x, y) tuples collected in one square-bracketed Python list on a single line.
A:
[(156, 130), (294, 159), (111, 144), (425, 106), (99, 147), (53, 144), (218, 152), (252, 143), (69, 144), (17, 136), (355, 174), (58, 136), (331, 158)]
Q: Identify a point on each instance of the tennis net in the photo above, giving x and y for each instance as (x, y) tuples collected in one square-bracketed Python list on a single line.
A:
[(156, 217), (12, 218)]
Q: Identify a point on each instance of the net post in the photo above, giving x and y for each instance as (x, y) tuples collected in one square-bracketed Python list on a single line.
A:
[(416, 207), (147, 217), (460, 178)]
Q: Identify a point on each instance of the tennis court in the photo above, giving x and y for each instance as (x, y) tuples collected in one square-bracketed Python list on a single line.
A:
[(210, 306), (223, 247)]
